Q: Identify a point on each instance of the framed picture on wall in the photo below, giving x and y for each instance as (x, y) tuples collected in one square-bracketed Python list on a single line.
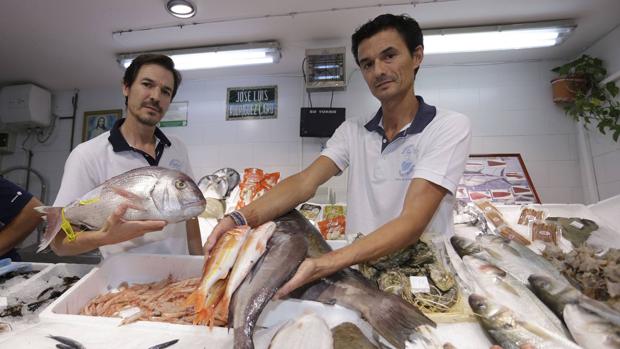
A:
[(501, 178), (98, 122)]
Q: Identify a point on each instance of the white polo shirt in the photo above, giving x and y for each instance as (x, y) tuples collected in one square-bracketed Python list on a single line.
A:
[(435, 147), (107, 155)]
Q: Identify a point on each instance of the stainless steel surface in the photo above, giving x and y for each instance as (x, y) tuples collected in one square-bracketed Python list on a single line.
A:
[(28, 254)]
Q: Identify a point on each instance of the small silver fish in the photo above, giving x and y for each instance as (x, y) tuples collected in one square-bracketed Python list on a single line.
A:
[(159, 193)]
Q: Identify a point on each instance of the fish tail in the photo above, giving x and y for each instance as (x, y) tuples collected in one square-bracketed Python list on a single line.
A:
[(221, 310), (53, 216), (396, 320), (197, 300), (201, 317)]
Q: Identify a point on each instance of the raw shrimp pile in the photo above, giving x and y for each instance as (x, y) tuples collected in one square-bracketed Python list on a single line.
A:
[(163, 301)]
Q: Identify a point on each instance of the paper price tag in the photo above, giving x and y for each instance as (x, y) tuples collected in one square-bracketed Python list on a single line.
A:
[(576, 224), (419, 284)]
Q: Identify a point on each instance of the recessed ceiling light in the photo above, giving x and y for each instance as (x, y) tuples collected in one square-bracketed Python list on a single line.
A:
[(181, 8)]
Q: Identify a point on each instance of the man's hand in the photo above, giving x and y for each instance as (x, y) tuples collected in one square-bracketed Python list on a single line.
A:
[(225, 224), (309, 270), (116, 229)]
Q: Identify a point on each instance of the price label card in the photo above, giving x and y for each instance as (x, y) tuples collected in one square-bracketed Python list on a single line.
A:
[(419, 284)]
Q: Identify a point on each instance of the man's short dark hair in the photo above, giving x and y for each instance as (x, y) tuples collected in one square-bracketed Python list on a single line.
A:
[(406, 26), (151, 58)]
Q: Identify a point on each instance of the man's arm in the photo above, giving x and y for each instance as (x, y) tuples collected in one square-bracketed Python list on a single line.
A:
[(115, 230), (422, 200), (281, 198), (20, 227), (194, 240)]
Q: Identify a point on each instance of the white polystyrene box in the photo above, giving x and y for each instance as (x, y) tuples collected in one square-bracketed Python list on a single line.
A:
[(145, 268), (39, 267), (23, 106)]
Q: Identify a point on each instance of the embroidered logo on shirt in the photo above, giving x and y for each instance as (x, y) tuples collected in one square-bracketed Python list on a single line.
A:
[(409, 156), (175, 164)]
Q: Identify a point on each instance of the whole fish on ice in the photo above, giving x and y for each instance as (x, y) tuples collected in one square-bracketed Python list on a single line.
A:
[(510, 256), (155, 193), (506, 290), (510, 330)]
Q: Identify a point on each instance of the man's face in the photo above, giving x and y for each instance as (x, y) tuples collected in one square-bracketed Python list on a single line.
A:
[(387, 65), (149, 97)]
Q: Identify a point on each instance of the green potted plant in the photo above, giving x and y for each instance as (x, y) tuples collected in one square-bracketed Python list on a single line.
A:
[(578, 88)]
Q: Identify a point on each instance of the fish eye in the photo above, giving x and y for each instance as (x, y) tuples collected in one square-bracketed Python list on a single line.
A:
[(179, 184)]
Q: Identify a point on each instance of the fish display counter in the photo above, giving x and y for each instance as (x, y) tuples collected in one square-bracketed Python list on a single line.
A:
[(547, 275), (62, 318)]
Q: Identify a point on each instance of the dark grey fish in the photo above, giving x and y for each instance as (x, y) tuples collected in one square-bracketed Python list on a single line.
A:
[(557, 295), (392, 317), (164, 344), (67, 343), (285, 251)]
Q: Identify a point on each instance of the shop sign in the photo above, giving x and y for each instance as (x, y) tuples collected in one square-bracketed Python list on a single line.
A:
[(247, 103)]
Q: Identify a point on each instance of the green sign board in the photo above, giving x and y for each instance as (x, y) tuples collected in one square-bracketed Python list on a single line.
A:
[(246, 103), (176, 115)]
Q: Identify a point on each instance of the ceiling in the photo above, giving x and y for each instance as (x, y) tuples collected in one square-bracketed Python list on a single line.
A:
[(66, 44)]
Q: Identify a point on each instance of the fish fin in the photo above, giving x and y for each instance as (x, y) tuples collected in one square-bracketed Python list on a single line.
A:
[(196, 299), (396, 320), (601, 309), (506, 286), (492, 253), (134, 198), (548, 335), (54, 221), (221, 309), (201, 317), (535, 329)]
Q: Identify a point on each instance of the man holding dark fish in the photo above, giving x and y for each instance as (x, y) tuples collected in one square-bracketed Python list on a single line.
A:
[(149, 85), (404, 162)]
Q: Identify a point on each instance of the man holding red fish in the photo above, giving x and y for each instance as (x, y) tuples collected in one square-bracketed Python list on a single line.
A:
[(404, 162)]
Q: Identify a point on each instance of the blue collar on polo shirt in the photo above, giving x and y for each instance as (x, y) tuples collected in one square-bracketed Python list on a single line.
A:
[(119, 143), (426, 113)]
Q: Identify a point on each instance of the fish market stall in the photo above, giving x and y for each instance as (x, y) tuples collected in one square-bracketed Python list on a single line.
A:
[(459, 284)]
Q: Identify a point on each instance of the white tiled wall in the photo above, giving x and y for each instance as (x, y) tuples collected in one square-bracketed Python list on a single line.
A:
[(512, 111), (509, 105), (606, 152)]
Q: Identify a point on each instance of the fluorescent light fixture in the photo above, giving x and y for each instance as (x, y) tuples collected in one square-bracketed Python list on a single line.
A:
[(181, 8), (216, 56), (496, 38)]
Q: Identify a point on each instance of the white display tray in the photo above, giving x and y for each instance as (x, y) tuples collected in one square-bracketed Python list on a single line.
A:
[(35, 267), (135, 268), (30, 288)]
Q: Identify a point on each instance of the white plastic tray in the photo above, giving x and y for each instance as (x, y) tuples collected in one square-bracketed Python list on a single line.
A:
[(35, 267), (136, 268)]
